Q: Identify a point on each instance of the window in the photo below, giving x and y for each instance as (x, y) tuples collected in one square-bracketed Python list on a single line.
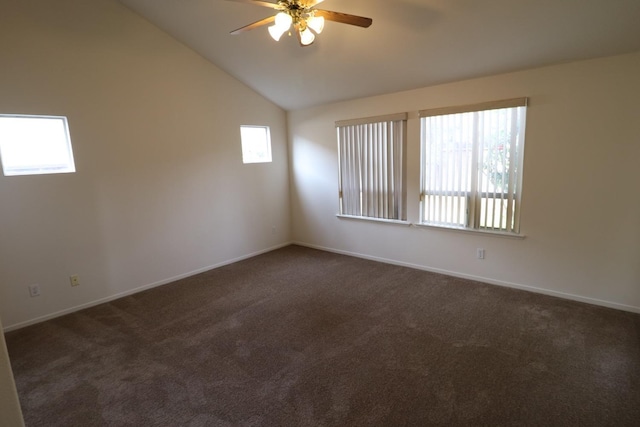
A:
[(472, 166), (371, 158), (256, 144), (32, 145)]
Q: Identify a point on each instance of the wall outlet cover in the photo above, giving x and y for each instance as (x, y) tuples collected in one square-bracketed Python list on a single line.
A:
[(34, 290)]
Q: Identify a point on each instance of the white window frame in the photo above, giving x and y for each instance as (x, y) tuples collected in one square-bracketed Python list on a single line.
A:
[(459, 195), (252, 150), (39, 165), (372, 167)]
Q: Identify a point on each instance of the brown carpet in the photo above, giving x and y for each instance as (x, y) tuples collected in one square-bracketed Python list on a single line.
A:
[(299, 337)]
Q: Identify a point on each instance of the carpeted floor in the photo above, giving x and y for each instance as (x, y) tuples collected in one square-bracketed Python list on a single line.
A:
[(299, 337)]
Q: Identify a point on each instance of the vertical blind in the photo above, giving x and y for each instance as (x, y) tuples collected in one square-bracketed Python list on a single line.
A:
[(472, 165), (372, 175)]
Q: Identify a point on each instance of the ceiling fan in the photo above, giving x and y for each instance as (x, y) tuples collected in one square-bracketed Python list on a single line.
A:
[(307, 21)]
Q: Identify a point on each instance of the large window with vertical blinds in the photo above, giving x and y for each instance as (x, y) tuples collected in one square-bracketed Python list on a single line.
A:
[(371, 159), (471, 167)]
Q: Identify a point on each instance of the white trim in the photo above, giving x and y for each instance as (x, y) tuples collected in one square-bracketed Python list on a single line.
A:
[(563, 295), (139, 289), (374, 219), (434, 227), (533, 289), (472, 231)]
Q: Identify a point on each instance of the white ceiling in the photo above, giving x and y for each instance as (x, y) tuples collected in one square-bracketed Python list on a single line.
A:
[(411, 44)]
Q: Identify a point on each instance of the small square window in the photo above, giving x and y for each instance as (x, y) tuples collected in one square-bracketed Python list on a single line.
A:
[(34, 145), (256, 144)]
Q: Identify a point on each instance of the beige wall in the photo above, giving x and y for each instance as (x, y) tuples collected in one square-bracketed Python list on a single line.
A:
[(160, 189), (580, 208), (10, 414)]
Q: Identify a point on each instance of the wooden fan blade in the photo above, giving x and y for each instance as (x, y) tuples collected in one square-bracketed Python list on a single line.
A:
[(256, 24), (345, 18), (258, 3)]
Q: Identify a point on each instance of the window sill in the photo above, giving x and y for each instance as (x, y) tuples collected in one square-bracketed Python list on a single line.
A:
[(467, 230), (368, 218), (434, 227)]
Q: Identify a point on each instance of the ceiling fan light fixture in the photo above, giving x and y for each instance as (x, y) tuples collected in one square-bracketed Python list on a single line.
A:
[(316, 23), (283, 20), (281, 26), (306, 37), (276, 32)]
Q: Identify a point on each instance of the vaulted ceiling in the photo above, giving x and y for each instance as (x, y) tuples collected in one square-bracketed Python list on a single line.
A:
[(411, 44)]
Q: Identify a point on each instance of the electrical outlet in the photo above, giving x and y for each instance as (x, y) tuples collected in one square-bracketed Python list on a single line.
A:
[(34, 290), (480, 253), (75, 280)]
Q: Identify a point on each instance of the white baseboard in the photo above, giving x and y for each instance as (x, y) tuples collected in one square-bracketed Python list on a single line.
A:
[(490, 281), (544, 291), (138, 289)]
